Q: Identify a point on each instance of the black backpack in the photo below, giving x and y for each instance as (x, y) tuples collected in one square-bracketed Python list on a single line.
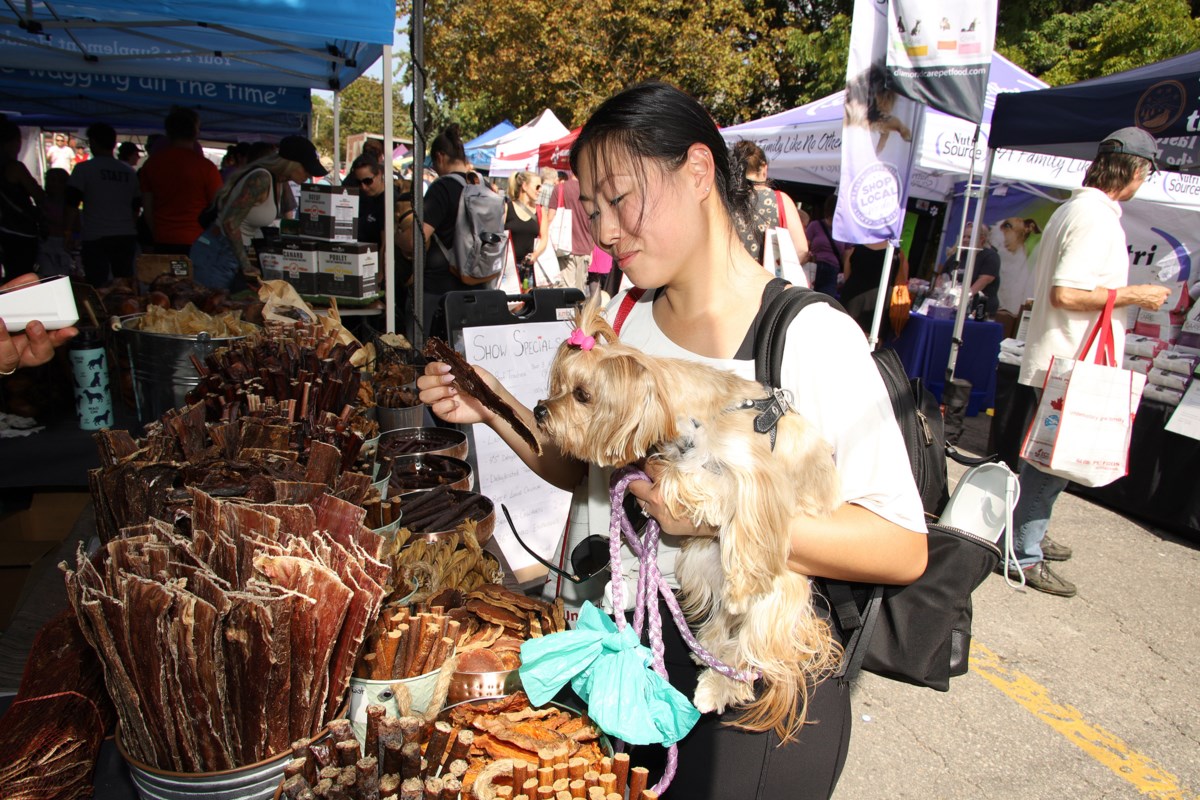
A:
[(920, 633)]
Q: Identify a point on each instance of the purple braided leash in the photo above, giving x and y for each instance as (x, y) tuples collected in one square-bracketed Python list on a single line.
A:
[(650, 583)]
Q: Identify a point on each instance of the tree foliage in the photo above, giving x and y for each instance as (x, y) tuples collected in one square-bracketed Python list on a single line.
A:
[(361, 112), (488, 61)]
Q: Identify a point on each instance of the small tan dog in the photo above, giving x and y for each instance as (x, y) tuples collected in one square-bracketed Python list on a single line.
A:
[(612, 405)]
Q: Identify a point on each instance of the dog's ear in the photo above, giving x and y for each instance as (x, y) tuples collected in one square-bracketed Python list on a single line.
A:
[(637, 414), (1031, 226)]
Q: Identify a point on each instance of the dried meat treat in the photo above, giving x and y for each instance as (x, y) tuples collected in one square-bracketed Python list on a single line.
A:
[(40, 761), (470, 382)]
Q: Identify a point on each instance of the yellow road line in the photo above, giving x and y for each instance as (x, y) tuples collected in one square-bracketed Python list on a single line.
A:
[(1146, 776)]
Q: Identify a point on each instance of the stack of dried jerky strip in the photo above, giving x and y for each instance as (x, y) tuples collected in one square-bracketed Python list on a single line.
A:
[(222, 647)]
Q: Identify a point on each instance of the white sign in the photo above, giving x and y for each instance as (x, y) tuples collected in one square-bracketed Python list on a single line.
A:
[(520, 357), (1186, 418)]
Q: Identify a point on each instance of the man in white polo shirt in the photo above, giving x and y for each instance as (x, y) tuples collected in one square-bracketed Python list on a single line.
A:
[(1081, 257)]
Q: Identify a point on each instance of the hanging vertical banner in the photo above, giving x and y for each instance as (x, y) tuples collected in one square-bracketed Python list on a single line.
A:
[(877, 135), (939, 52)]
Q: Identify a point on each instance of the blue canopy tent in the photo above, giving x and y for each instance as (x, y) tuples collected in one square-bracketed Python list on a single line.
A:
[(1071, 120), (481, 149), (219, 52), (60, 99)]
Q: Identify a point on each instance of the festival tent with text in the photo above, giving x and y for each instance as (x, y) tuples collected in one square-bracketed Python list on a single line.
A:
[(557, 154)]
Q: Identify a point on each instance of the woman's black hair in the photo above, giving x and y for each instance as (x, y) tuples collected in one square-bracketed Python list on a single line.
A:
[(658, 122), (449, 143)]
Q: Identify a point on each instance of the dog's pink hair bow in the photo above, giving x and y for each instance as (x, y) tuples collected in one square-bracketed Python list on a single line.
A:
[(581, 340)]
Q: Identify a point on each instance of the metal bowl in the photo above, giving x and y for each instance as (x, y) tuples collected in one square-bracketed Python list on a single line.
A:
[(435, 441), (425, 471), (484, 529), (466, 686)]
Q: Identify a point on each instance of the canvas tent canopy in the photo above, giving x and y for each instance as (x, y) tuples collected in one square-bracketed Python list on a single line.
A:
[(557, 153), (518, 150), (245, 66), (804, 144), (1069, 121), (481, 149)]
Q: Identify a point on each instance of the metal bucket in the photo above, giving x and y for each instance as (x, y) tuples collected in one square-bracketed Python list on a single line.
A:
[(253, 782), (392, 418), (161, 364), (364, 693)]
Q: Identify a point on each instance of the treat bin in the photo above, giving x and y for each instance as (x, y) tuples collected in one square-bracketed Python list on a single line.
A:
[(479, 685), (423, 471), (433, 441), (252, 782), (391, 419), (364, 693), (485, 516), (161, 364)]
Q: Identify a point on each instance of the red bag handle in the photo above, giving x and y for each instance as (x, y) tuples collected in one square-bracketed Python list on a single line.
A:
[(627, 304), (779, 202), (1105, 350)]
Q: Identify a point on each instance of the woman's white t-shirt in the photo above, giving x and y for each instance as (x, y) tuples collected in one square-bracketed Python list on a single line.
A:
[(835, 386)]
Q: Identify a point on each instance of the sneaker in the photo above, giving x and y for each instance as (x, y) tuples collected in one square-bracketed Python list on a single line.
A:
[(1043, 579), (1053, 551)]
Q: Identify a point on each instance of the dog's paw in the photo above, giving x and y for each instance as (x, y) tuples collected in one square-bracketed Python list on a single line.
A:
[(711, 693)]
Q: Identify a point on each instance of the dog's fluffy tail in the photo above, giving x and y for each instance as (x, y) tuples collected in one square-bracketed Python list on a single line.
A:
[(792, 648)]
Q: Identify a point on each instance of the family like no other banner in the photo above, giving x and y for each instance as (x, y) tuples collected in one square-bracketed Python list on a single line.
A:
[(879, 122)]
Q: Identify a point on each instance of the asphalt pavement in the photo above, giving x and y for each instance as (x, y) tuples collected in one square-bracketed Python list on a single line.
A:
[(1087, 698)]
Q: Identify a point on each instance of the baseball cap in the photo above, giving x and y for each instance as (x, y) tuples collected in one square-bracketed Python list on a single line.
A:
[(1131, 141), (302, 151)]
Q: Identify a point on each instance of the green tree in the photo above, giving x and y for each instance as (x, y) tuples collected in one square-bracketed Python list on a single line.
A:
[(361, 106)]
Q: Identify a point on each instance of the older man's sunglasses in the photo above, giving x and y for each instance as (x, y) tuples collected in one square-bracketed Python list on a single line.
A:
[(588, 559)]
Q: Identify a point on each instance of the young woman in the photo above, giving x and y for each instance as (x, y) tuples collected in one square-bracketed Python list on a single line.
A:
[(656, 183), (521, 220), (251, 200)]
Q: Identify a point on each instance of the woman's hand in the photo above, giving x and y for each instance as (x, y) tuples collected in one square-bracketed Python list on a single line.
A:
[(650, 499), (33, 347), (437, 390)]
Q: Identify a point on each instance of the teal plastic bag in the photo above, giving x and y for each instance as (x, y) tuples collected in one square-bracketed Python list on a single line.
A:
[(611, 672)]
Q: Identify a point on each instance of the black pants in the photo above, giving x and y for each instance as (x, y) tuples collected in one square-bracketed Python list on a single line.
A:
[(108, 257), (720, 762)]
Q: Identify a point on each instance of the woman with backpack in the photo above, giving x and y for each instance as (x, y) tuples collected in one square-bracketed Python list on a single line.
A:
[(661, 199), (441, 219), (248, 202)]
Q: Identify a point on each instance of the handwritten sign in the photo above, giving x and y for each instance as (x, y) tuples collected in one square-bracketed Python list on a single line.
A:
[(520, 357)]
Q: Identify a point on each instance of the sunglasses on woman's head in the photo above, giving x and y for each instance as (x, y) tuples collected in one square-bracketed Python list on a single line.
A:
[(588, 559)]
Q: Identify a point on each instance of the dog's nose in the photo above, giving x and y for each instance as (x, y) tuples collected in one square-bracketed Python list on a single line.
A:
[(540, 413)]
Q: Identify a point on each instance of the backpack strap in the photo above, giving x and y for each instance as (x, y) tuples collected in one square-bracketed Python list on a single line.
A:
[(627, 304), (779, 203), (781, 304), (445, 250)]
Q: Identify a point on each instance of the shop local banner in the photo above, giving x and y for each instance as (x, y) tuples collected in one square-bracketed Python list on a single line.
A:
[(940, 51), (877, 134)]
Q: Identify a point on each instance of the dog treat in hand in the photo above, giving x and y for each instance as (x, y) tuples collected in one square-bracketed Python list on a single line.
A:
[(470, 383)]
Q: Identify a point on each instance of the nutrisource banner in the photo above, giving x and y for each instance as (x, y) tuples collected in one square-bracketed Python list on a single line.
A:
[(939, 52), (877, 134)]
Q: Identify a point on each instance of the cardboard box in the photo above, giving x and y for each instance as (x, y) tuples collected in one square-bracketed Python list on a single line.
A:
[(348, 269), (329, 213), (291, 260), (29, 540), (149, 266), (49, 518), (18, 560)]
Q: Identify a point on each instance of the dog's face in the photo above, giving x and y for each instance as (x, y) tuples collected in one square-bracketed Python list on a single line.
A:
[(606, 405), (1014, 231)]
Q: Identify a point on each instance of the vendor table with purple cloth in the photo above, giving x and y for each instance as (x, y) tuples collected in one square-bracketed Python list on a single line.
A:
[(924, 348)]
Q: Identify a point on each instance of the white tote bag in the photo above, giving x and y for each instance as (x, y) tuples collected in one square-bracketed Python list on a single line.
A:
[(508, 282), (560, 227), (779, 251), (1084, 421)]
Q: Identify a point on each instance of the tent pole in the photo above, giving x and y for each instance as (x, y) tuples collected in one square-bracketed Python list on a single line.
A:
[(417, 40), (960, 318), (389, 199), (880, 300), (337, 137), (962, 223)]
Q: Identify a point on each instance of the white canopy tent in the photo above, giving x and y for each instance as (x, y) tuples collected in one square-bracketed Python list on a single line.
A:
[(518, 150)]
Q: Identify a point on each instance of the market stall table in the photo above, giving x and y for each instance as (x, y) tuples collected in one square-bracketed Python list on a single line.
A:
[(1161, 485), (924, 348)]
